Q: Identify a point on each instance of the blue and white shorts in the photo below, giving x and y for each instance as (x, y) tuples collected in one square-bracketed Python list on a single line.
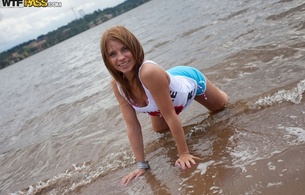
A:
[(192, 73)]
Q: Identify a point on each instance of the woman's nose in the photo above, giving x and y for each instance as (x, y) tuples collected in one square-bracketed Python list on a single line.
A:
[(120, 56)]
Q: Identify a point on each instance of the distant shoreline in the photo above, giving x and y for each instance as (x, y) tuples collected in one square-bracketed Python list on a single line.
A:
[(75, 27)]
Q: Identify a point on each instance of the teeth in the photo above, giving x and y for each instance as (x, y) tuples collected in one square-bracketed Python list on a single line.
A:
[(123, 64)]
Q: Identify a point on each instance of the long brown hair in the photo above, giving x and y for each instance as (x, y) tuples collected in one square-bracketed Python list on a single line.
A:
[(125, 37)]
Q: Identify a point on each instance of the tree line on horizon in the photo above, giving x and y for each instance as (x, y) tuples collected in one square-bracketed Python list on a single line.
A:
[(73, 28)]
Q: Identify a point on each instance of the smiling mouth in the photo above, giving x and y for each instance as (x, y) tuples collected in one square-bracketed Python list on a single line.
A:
[(123, 64)]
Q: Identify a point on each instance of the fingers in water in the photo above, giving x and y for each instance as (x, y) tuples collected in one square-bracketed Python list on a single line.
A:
[(131, 176)]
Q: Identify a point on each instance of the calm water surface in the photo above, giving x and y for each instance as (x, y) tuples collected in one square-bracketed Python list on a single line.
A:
[(62, 131)]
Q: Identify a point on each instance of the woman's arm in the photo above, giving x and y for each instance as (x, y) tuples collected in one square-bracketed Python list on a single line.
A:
[(156, 80), (134, 133)]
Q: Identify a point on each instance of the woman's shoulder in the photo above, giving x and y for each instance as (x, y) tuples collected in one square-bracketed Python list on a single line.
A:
[(149, 62), (151, 71)]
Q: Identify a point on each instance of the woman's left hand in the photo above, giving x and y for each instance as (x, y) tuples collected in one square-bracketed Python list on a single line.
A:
[(185, 160)]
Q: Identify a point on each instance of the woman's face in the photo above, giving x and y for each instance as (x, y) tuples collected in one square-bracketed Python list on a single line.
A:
[(120, 57)]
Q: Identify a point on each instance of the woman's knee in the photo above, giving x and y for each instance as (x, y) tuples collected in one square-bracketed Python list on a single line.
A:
[(158, 124), (160, 130)]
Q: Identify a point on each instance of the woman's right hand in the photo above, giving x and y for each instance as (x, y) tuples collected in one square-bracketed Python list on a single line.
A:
[(133, 175), (186, 160)]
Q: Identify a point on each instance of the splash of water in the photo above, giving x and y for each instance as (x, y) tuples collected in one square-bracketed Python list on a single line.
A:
[(294, 95), (79, 175), (295, 136), (202, 167)]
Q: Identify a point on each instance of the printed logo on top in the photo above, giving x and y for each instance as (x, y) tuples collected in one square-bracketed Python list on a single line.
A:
[(28, 3)]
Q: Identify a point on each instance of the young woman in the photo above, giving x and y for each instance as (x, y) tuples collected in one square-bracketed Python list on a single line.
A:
[(144, 86)]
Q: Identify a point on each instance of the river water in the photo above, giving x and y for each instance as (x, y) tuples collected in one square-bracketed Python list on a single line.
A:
[(62, 131)]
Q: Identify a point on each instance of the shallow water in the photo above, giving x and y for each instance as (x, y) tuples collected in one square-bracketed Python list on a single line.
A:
[(62, 132)]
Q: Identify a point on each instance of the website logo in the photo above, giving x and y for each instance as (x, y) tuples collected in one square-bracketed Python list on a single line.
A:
[(28, 3)]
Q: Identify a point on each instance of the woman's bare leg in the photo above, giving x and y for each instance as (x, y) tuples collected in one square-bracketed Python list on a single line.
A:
[(216, 99), (158, 124)]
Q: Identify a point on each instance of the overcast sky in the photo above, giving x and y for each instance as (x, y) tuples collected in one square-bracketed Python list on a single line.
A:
[(18, 25)]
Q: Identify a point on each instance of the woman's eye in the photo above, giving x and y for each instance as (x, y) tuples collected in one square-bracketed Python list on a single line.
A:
[(111, 54), (125, 49)]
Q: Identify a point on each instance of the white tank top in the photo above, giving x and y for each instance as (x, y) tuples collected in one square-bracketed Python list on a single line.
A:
[(182, 92)]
